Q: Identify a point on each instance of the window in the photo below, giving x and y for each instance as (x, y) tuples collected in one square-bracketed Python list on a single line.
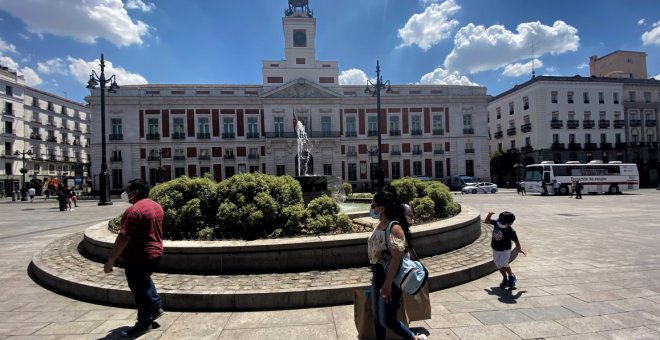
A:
[(555, 115), (327, 169), (587, 138), (416, 125), (647, 97), (396, 170), (631, 96), (179, 128), (469, 167), (417, 149), (510, 108), (439, 169), (352, 172), (467, 124), (9, 91), (571, 138), (617, 138), (616, 97), (513, 145), (587, 115), (570, 97), (555, 138), (153, 128), (278, 124), (585, 97), (204, 170), (437, 125), (395, 149), (228, 127), (253, 127), (280, 170), (525, 103), (179, 172), (601, 98), (602, 115), (417, 168), (528, 141), (117, 179), (350, 126), (253, 168), (394, 126), (498, 113), (203, 129), (603, 138), (229, 171), (372, 125), (438, 149), (571, 115), (326, 126), (116, 156), (633, 115), (553, 96)]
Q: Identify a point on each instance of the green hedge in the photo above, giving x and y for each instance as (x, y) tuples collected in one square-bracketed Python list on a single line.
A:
[(416, 192)]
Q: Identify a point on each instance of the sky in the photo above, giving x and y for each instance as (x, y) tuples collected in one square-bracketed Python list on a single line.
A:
[(56, 44)]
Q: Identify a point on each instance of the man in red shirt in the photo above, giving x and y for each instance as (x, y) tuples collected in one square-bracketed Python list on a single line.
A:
[(140, 244)]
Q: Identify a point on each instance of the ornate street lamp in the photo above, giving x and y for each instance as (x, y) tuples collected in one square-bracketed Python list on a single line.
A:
[(23, 170), (372, 152), (96, 80), (376, 91)]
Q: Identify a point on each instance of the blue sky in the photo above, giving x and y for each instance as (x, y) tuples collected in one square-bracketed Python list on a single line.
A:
[(56, 43)]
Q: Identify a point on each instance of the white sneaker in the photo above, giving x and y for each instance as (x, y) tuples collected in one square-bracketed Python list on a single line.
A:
[(421, 336), (72, 209)]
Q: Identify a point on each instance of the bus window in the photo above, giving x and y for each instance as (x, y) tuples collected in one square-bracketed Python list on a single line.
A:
[(546, 177), (533, 174)]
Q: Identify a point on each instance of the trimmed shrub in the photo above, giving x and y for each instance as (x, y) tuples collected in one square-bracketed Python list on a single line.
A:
[(322, 214), (424, 209), (348, 188), (344, 223), (408, 188), (444, 204)]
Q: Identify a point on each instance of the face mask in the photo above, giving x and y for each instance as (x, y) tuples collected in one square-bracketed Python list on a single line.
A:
[(373, 214), (124, 197)]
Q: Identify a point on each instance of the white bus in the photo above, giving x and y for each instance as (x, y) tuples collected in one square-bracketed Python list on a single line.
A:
[(596, 177)]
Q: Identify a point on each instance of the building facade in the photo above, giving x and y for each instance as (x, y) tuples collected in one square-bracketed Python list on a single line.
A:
[(52, 133), (578, 119), (159, 132), (619, 64)]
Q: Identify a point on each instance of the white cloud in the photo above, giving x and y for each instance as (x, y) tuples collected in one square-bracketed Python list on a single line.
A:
[(477, 48), (582, 66), (83, 20), (353, 76), (440, 76), (31, 77), (641, 21), (81, 69), (652, 37), (520, 69), (56, 65), (428, 28), (8, 62), (6, 47), (657, 77), (139, 4), (551, 69)]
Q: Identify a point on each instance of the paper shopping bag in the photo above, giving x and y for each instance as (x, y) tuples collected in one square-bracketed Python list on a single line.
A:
[(418, 306), (364, 321)]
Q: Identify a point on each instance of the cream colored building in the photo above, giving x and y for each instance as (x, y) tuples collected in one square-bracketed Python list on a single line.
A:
[(619, 64), (159, 132), (55, 129)]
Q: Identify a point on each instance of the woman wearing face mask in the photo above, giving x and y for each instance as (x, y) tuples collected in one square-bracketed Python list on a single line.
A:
[(386, 296)]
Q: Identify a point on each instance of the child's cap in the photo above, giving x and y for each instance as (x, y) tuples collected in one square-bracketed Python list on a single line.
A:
[(507, 217)]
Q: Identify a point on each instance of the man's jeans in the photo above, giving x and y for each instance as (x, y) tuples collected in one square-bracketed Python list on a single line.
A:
[(138, 275)]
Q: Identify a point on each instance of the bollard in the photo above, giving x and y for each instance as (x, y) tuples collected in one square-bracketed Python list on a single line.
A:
[(13, 196)]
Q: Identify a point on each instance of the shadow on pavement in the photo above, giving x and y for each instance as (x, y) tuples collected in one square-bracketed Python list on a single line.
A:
[(505, 295)]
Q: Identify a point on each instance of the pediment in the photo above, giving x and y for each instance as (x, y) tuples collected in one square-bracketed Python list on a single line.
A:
[(301, 88)]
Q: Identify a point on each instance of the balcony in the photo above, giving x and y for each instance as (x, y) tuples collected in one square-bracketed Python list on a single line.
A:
[(395, 132), (469, 150), (556, 124), (51, 139), (65, 141), (280, 134), (116, 136), (650, 123), (179, 158), (350, 134), (511, 131), (8, 131), (52, 157), (253, 135), (417, 152), (372, 133), (35, 136), (526, 127), (153, 136), (590, 146), (203, 135), (557, 146), (351, 154), (572, 123), (574, 146), (228, 135), (395, 152), (204, 157), (499, 134), (438, 152), (620, 145), (635, 122), (438, 132), (526, 149), (324, 134), (416, 132), (66, 158), (253, 156), (606, 146), (178, 135), (115, 159), (619, 123), (468, 131), (228, 156), (588, 124), (8, 112), (512, 151), (153, 158), (604, 123)]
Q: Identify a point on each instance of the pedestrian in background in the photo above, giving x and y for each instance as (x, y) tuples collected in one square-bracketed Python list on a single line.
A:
[(578, 189)]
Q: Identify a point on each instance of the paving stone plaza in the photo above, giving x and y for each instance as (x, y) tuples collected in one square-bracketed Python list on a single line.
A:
[(592, 272)]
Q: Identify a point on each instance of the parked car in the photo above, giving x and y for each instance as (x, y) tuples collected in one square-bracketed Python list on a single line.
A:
[(480, 188)]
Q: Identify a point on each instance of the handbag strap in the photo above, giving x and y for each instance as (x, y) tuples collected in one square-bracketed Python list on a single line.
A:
[(388, 231)]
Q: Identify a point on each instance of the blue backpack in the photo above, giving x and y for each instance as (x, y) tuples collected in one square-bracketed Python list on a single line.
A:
[(412, 275)]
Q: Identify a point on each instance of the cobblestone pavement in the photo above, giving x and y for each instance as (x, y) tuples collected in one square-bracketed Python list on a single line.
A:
[(592, 272)]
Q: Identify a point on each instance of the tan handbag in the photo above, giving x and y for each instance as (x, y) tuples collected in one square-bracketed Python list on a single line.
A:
[(418, 306), (364, 320)]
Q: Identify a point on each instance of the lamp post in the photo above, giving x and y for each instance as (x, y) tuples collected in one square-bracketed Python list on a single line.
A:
[(159, 174), (376, 91), (372, 152), (23, 171), (94, 80)]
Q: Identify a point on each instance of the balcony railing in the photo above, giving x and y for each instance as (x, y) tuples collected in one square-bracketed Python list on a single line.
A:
[(228, 135), (116, 136), (372, 133), (395, 152), (590, 146), (324, 134), (499, 134), (351, 154), (153, 136), (526, 127), (51, 139), (115, 159), (588, 124), (35, 136), (228, 156), (395, 132), (253, 156), (511, 131), (574, 146), (438, 152), (179, 135), (253, 135), (204, 157), (280, 134), (438, 132), (416, 132), (153, 158), (620, 145), (557, 146), (572, 123), (417, 152), (179, 158), (604, 123), (526, 149), (556, 124), (619, 123), (468, 131), (203, 135), (650, 122), (8, 112), (350, 134), (469, 150), (635, 122), (606, 146)]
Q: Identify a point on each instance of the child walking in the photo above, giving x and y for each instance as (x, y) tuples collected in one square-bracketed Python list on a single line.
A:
[(503, 235)]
